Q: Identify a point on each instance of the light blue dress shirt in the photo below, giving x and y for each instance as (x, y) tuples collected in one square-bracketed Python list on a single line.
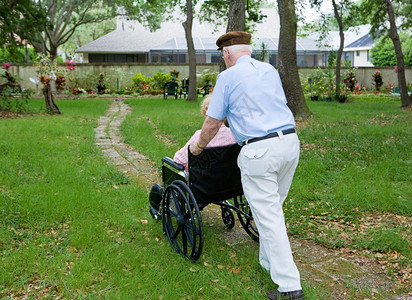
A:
[(251, 96)]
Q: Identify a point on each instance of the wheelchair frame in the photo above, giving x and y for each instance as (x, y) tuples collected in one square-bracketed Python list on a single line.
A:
[(214, 179)]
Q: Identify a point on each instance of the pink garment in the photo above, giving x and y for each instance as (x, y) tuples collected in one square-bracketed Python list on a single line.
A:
[(223, 137)]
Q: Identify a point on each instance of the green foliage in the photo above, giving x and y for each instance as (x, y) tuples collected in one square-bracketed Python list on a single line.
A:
[(383, 52), (17, 55), (24, 18), (207, 77), (216, 12), (149, 13), (263, 52), (160, 79), (14, 100), (316, 85), (138, 80), (86, 34)]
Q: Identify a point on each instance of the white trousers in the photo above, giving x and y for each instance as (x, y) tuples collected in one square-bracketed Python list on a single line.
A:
[(267, 169)]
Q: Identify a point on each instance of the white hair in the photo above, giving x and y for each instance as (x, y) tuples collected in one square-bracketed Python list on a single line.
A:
[(239, 48)]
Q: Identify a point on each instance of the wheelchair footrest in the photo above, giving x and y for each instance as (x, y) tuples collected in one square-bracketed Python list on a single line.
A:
[(155, 213)]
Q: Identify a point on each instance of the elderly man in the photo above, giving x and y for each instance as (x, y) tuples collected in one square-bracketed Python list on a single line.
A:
[(250, 95)]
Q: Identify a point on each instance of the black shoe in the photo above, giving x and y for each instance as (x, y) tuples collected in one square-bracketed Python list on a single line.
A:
[(293, 295)]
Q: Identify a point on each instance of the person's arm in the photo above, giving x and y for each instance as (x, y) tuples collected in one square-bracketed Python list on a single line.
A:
[(181, 155), (209, 129)]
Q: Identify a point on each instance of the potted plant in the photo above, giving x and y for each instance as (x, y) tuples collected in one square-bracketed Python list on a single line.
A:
[(344, 91), (329, 83)]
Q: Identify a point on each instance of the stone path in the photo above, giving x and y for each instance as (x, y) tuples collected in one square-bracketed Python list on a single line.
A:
[(343, 273), (127, 159)]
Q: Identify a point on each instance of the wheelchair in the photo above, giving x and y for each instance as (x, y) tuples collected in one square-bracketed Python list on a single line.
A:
[(213, 178)]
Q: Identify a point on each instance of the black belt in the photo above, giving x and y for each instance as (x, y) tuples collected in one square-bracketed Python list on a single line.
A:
[(270, 135)]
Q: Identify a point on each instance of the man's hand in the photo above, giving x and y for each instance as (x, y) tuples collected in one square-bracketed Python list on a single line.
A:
[(194, 149)]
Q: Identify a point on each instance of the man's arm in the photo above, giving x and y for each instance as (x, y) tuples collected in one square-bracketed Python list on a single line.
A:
[(209, 129)]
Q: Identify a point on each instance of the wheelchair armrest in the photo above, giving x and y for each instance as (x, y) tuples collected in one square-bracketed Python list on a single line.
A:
[(172, 163)]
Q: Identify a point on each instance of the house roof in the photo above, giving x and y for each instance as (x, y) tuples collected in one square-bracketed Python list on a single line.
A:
[(364, 42), (332, 38), (209, 45), (132, 37)]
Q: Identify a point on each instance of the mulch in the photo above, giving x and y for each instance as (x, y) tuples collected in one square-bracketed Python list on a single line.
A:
[(9, 115)]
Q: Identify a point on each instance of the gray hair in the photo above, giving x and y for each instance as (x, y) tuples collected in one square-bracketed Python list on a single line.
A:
[(239, 48)]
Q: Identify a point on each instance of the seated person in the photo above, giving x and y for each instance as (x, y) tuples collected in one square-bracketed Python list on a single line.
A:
[(223, 137)]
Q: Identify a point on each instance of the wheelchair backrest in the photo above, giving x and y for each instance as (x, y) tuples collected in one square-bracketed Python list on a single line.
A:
[(214, 174)]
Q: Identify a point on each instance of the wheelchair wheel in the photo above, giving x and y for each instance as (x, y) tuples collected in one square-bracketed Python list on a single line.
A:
[(228, 217), (182, 221), (245, 217)]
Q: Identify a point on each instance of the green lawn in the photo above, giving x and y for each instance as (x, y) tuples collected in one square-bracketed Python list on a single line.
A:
[(352, 187), (73, 226)]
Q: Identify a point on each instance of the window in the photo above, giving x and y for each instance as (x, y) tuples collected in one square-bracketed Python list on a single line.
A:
[(215, 58), (358, 53), (367, 54), (301, 60)]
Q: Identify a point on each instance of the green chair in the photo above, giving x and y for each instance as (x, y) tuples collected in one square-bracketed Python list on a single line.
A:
[(170, 88)]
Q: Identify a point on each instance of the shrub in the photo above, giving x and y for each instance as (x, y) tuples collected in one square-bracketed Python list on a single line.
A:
[(160, 79), (377, 80), (138, 80), (207, 77), (350, 80), (101, 85), (14, 100)]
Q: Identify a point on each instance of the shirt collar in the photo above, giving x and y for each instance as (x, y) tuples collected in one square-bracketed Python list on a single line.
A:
[(243, 58)]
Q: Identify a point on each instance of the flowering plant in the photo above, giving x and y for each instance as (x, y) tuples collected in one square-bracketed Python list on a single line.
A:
[(70, 64), (6, 66), (350, 80)]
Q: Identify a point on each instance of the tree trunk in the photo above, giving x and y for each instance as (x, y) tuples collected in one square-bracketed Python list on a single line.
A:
[(187, 25), (393, 34), (287, 60), (49, 98), (338, 17), (236, 22)]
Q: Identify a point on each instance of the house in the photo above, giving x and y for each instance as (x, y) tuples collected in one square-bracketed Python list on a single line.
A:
[(358, 51), (131, 42), (357, 43)]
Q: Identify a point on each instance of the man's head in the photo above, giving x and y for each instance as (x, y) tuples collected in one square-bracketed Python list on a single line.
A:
[(233, 45), (233, 38)]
